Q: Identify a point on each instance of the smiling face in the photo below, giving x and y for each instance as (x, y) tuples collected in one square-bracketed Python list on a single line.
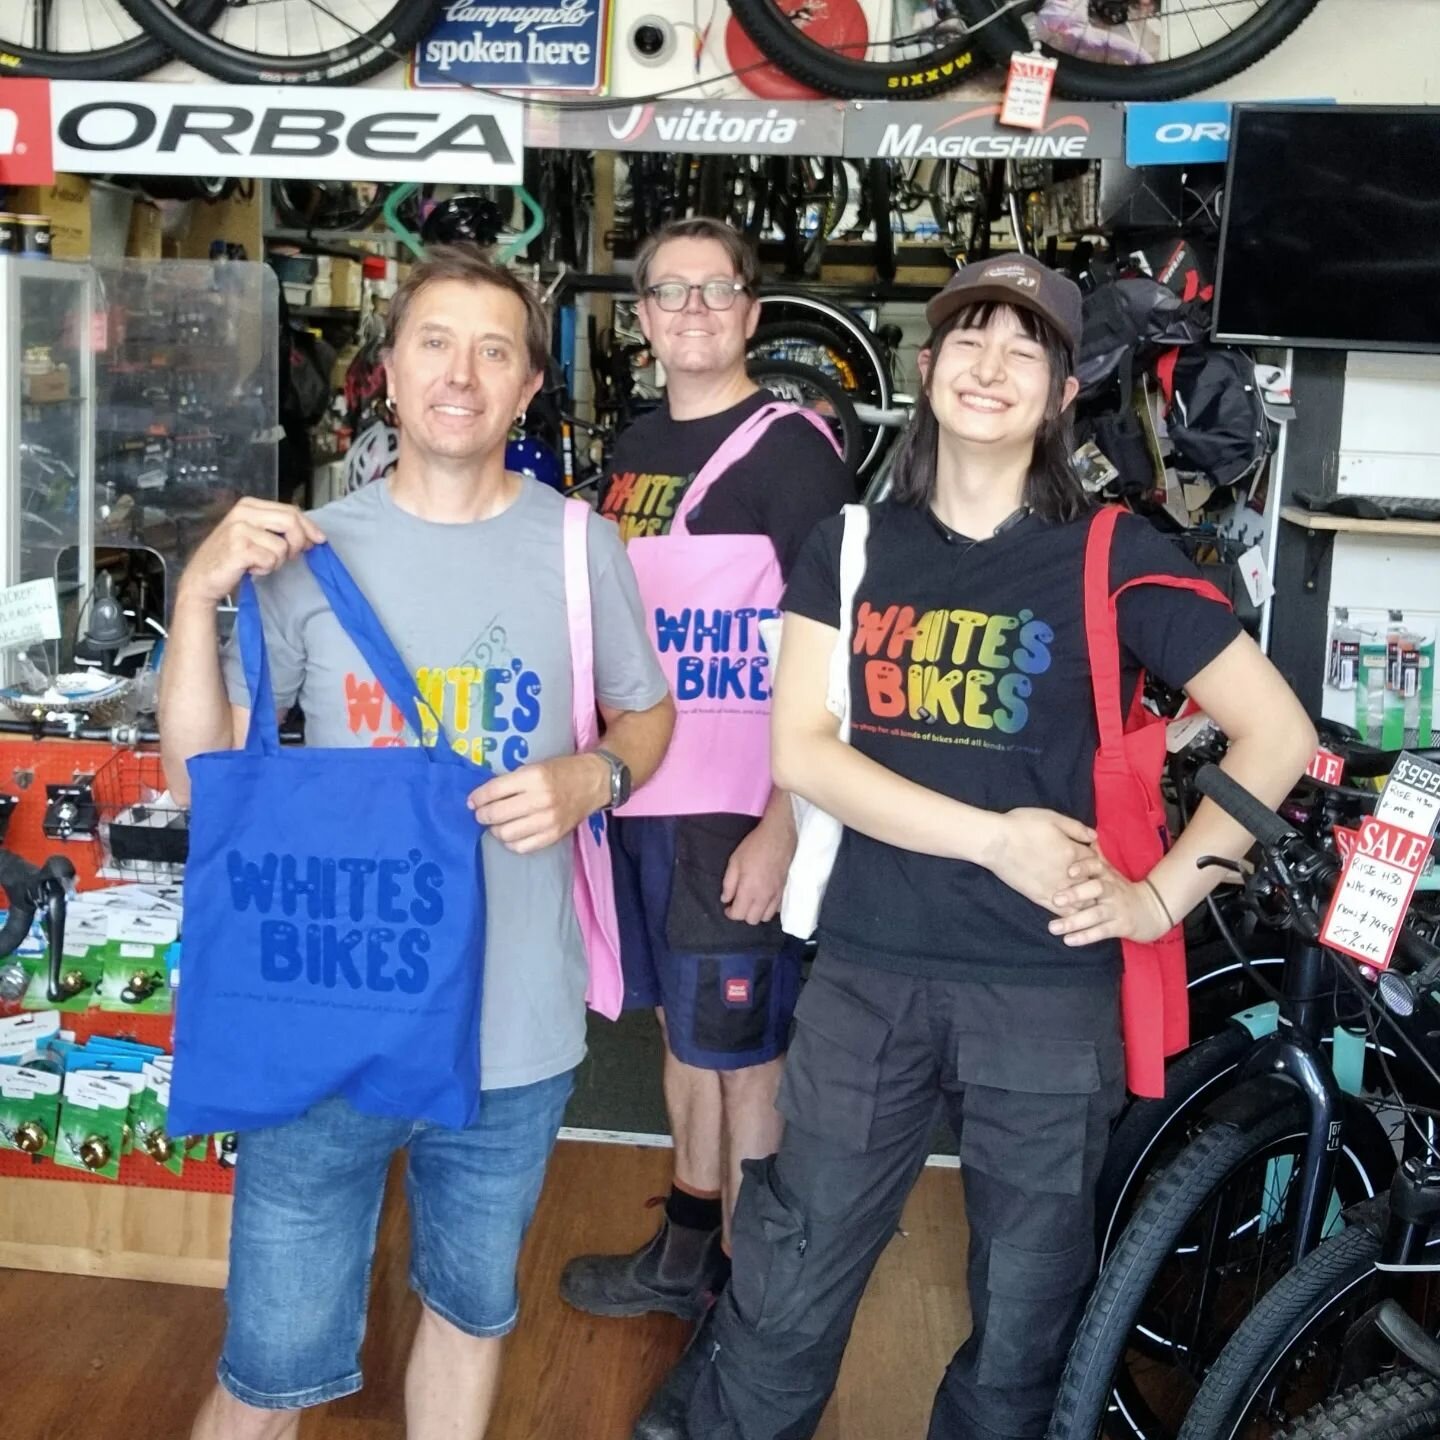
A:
[(697, 340), (458, 374), (991, 384)]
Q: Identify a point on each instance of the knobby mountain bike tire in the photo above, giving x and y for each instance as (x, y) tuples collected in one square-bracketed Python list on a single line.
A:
[(1085, 79), (119, 59), (339, 54), (786, 38), (1205, 1173), (1403, 1406), (1260, 1352)]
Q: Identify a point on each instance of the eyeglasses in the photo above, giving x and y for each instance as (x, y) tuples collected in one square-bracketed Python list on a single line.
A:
[(673, 295)]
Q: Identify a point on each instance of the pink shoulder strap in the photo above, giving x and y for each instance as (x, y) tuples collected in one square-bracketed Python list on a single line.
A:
[(738, 445), (582, 633)]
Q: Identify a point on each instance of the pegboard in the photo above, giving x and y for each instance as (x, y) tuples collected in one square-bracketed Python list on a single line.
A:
[(27, 767)]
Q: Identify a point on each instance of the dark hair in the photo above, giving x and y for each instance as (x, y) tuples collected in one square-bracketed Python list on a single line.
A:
[(743, 259), (469, 264), (1052, 489)]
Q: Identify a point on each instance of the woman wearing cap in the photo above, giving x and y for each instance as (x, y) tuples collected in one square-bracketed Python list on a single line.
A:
[(970, 942)]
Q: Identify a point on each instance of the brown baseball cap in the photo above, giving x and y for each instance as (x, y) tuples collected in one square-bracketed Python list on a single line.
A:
[(1018, 280)]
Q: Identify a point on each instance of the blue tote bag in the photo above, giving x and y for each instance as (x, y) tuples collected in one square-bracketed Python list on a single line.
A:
[(334, 920)]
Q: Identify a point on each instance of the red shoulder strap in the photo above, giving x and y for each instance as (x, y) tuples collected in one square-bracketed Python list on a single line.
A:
[(1102, 634), (1101, 638)]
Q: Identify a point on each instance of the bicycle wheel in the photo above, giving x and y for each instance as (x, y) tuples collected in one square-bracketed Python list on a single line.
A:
[(1210, 1237), (293, 42), (801, 385), (1150, 1133), (328, 204), (1138, 49), (853, 342), (830, 47), (90, 40), (1287, 1354), (1404, 1406)]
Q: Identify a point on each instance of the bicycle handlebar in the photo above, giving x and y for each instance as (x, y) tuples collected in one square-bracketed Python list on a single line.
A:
[(1242, 807)]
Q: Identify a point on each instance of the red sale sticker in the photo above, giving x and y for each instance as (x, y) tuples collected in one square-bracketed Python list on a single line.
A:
[(1346, 840), (737, 992), (1374, 892), (1326, 767), (1027, 90), (26, 155)]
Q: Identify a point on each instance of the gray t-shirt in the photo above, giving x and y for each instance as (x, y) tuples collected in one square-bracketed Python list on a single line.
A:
[(477, 611)]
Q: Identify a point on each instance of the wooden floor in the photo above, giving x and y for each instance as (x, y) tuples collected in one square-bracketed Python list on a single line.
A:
[(88, 1359)]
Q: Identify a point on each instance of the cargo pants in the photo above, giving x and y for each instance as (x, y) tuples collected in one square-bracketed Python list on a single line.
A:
[(1032, 1077)]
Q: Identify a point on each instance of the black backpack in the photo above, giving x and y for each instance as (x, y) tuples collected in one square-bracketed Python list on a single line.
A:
[(1217, 423)]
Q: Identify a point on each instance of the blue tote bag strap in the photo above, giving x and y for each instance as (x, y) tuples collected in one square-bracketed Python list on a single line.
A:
[(362, 625), (263, 737)]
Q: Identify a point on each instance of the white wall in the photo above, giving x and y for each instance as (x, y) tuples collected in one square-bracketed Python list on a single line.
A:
[(1379, 52)]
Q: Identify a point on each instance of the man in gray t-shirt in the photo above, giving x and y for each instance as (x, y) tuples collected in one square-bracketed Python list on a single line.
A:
[(463, 564)]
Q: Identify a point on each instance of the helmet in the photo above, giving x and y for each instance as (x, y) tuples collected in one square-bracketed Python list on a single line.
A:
[(372, 454), (535, 460), (475, 219)]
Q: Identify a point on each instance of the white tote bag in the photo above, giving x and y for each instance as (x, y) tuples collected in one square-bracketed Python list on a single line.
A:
[(818, 833)]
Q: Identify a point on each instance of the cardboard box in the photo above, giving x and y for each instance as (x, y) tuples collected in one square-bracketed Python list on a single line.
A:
[(48, 388), (345, 277), (147, 232), (67, 203)]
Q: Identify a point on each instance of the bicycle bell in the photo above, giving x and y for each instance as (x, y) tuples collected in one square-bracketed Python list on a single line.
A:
[(94, 1152), (158, 1146), (30, 1138), (140, 987), (14, 980)]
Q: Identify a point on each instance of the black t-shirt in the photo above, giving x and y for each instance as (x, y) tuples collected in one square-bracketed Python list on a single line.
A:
[(969, 675), (790, 481)]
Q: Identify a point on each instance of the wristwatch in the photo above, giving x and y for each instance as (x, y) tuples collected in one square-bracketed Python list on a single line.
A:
[(619, 779)]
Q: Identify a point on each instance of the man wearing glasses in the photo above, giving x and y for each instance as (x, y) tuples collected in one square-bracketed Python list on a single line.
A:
[(699, 895)]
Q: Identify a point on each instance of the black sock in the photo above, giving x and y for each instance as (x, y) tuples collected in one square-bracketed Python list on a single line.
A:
[(692, 1211)]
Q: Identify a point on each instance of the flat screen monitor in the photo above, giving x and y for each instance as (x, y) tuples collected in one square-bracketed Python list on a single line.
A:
[(1331, 232)]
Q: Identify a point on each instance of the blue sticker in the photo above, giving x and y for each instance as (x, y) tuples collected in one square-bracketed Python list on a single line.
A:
[(546, 45)]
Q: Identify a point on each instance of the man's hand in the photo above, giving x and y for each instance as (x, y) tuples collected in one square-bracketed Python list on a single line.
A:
[(755, 877), (257, 537), (538, 805), (1101, 904)]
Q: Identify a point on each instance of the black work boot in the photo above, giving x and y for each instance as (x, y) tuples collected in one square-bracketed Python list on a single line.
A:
[(664, 1417), (678, 1272)]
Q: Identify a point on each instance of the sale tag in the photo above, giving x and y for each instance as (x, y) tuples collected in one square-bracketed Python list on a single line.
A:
[(1374, 892), (1411, 796), (1257, 580), (1346, 840), (1326, 767), (1027, 90)]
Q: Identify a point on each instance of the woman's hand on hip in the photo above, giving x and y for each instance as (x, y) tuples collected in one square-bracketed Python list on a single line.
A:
[(1101, 904), (1033, 852)]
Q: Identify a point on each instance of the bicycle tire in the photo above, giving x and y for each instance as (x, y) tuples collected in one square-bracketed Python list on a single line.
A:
[(1180, 1194), (128, 60), (857, 343), (1284, 1317), (293, 215), (1403, 1406), (384, 44), (1080, 79), (1138, 1139), (762, 370), (768, 23)]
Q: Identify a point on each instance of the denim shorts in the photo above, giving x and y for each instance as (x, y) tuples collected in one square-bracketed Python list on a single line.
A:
[(307, 1204)]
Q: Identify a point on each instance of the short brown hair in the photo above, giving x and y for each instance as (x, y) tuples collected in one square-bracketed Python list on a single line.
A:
[(743, 259), (469, 264)]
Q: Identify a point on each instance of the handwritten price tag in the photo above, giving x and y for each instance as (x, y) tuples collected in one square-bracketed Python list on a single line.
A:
[(1027, 91), (1412, 795), (1374, 892), (29, 612)]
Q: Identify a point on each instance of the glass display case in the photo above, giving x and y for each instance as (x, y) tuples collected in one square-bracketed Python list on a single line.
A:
[(141, 400)]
